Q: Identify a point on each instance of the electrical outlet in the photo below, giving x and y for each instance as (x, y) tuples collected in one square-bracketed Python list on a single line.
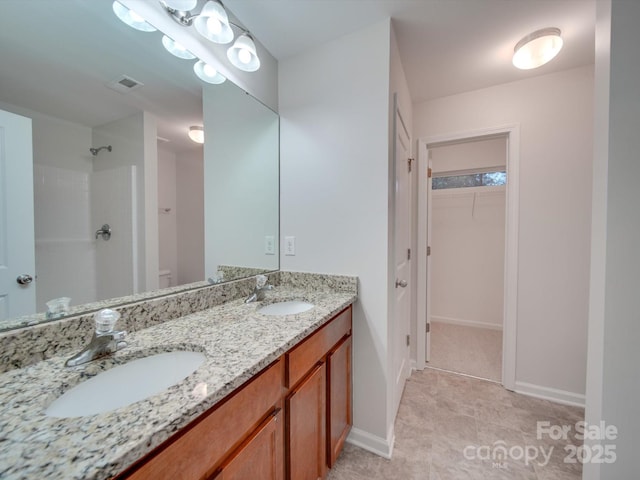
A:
[(269, 245), (289, 245)]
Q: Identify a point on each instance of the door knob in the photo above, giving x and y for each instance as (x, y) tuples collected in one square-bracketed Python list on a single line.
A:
[(24, 279), (401, 283)]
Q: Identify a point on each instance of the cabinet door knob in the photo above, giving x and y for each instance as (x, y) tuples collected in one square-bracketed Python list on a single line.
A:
[(401, 283)]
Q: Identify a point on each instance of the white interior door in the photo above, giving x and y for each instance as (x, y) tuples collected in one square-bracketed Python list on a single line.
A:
[(402, 242), (17, 257)]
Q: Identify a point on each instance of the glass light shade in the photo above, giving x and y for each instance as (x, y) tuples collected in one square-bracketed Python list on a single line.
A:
[(242, 54), (181, 5), (538, 48), (196, 134), (213, 23), (207, 73), (175, 48), (131, 18)]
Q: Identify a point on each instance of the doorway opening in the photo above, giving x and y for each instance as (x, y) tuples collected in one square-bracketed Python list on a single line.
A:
[(467, 253)]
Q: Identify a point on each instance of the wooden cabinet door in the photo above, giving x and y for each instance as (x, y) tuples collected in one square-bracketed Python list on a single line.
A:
[(306, 421), (339, 399), (260, 457)]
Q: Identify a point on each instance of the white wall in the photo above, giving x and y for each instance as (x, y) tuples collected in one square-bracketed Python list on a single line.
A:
[(555, 116), (334, 107), (477, 154), (190, 217), (167, 221), (467, 256), (613, 390)]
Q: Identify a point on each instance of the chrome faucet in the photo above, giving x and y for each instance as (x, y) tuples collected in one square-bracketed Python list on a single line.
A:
[(260, 290), (105, 339)]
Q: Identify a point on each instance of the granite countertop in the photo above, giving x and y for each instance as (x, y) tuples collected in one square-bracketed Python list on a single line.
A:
[(237, 341)]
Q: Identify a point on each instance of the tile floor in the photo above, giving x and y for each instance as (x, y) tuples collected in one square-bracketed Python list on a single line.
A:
[(442, 414), (471, 350)]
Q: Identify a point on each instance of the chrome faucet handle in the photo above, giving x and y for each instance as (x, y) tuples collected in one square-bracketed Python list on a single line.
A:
[(105, 320)]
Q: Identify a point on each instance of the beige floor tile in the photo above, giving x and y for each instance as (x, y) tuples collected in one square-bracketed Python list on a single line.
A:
[(470, 350), (443, 421)]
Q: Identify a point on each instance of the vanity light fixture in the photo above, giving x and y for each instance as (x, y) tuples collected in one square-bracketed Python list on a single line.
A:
[(131, 18), (207, 73), (175, 48), (213, 24), (537, 48), (242, 54), (196, 134)]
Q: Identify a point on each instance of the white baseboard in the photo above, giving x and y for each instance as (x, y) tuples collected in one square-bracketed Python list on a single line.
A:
[(551, 394), (466, 323), (372, 443)]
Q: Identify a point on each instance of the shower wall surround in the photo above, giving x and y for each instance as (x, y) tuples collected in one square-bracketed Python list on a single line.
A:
[(20, 348)]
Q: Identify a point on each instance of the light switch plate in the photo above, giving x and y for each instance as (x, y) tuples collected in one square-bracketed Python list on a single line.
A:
[(269, 245), (289, 245)]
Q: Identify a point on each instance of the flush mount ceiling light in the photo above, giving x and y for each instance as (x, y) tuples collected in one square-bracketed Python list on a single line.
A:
[(175, 48), (196, 134), (242, 54), (537, 48), (207, 73), (131, 18)]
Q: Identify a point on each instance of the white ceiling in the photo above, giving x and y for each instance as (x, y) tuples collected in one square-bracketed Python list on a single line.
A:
[(446, 46)]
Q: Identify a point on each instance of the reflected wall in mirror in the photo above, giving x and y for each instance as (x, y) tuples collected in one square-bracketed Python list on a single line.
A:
[(61, 70)]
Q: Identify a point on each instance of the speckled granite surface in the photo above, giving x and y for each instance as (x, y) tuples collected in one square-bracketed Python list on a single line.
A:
[(238, 342)]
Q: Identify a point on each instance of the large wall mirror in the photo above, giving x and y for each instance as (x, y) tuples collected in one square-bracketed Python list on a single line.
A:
[(124, 202)]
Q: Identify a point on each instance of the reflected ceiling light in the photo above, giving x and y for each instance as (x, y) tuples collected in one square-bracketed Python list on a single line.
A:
[(131, 18), (196, 134), (213, 23), (242, 54), (207, 73), (537, 48), (175, 48)]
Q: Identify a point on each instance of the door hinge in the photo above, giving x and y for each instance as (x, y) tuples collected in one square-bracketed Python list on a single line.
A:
[(428, 327), (409, 160), (429, 172), (408, 340), (408, 254), (428, 251)]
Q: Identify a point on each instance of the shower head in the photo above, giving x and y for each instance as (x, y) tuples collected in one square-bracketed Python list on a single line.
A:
[(94, 151)]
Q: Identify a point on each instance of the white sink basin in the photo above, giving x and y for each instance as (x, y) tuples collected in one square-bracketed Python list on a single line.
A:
[(126, 384), (286, 308)]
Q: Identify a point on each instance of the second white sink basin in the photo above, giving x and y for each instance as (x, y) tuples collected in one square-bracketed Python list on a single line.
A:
[(125, 384), (286, 308)]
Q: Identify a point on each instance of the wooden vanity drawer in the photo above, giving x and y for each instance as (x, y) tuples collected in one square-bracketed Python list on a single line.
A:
[(197, 453), (305, 355)]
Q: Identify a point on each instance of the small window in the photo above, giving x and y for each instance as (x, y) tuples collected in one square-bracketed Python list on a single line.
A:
[(485, 179)]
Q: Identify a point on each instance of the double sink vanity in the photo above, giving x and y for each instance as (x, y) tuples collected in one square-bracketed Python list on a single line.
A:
[(247, 390)]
